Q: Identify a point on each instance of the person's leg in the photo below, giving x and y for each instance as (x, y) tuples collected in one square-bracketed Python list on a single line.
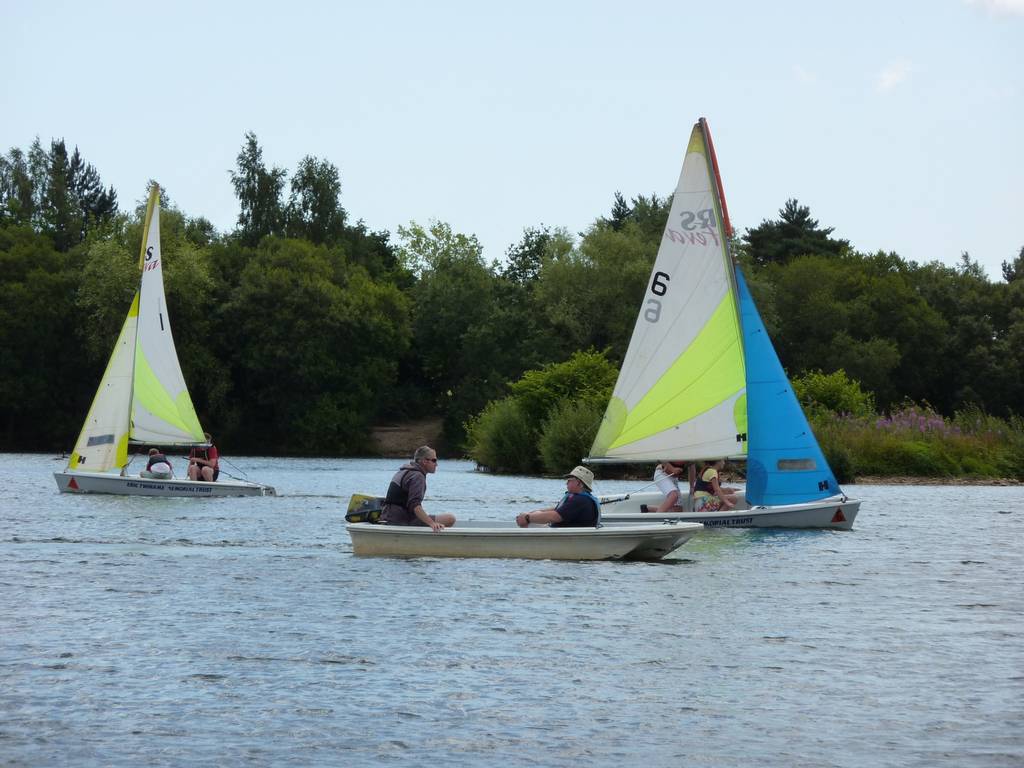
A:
[(193, 471), (207, 473), (669, 504)]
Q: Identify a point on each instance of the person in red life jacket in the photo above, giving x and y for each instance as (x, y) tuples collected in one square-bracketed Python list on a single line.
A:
[(403, 504), (579, 507), (204, 462)]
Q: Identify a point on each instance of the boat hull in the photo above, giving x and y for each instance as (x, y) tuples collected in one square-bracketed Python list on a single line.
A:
[(506, 540), (836, 513), (99, 482)]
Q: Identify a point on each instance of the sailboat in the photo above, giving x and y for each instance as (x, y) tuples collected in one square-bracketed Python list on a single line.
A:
[(701, 379), (142, 398)]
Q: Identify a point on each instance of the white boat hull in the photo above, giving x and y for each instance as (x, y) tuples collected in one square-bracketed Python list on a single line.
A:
[(837, 513), (100, 482), (506, 540)]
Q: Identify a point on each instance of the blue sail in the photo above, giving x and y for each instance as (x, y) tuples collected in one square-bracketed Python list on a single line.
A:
[(785, 464)]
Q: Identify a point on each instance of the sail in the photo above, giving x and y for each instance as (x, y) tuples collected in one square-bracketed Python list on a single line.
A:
[(681, 392), (162, 410), (785, 464), (142, 396), (103, 443)]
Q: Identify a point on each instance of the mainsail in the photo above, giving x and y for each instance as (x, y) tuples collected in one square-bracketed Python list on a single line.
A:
[(142, 396), (681, 392)]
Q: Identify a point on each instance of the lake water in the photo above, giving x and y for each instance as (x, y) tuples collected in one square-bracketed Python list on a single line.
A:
[(224, 632)]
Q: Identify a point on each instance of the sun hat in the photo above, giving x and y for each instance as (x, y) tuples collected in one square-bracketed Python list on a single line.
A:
[(584, 475)]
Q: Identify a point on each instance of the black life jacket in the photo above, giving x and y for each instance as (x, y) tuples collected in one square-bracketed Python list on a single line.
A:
[(397, 493)]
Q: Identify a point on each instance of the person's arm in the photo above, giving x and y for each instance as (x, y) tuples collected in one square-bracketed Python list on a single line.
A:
[(426, 519), (726, 500)]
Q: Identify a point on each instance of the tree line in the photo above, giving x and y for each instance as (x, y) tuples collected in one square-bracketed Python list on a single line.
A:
[(302, 328)]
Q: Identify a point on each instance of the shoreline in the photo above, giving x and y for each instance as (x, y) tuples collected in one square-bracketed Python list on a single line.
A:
[(908, 480)]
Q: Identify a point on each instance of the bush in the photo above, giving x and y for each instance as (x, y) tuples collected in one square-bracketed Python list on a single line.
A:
[(567, 434), (834, 392), (549, 420), (502, 438)]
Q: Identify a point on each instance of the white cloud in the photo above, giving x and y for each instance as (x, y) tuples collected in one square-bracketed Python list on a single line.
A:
[(1000, 7), (894, 74)]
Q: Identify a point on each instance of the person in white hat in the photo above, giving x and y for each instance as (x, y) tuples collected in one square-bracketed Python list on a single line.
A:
[(579, 507)]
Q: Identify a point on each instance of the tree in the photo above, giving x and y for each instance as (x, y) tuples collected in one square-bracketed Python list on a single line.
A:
[(523, 260), (310, 376), (1014, 270), (314, 210), (58, 194), (258, 190), (794, 234), (43, 369)]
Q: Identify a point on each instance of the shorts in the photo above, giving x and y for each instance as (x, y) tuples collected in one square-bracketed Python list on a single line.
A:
[(708, 504)]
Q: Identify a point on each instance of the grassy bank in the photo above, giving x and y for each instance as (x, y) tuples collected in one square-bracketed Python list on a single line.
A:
[(918, 443)]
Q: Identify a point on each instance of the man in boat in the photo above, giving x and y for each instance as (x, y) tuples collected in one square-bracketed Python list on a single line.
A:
[(158, 467), (403, 504), (666, 477), (204, 462), (579, 507)]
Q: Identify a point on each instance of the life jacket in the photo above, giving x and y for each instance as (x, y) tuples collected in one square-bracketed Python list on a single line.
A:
[(703, 485), (593, 498), (157, 458), (397, 493)]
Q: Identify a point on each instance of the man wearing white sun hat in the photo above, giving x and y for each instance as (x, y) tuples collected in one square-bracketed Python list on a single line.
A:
[(579, 507)]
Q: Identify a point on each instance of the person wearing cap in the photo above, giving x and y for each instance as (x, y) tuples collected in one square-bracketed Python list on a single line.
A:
[(579, 507), (403, 504)]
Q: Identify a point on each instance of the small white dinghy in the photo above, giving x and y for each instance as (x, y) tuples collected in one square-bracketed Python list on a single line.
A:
[(142, 399), (649, 541), (837, 513), (102, 482)]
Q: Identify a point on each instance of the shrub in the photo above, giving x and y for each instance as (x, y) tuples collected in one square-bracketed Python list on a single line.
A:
[(502, 438), (568, 433), (550, 417), (834, 392)]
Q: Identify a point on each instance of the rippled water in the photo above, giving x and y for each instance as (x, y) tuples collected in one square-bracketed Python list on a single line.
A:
[(153, 632)]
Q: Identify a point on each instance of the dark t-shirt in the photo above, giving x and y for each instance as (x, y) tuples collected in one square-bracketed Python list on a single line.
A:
[(576, 511)]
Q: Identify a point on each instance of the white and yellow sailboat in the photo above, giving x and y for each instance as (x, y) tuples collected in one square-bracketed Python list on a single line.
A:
[(142, 398), (701, 379)]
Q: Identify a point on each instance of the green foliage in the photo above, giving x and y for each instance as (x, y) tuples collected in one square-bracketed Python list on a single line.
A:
[(41, 356), (313, 379), (586, 376), (794, 234), (502, 439), (314, 209), (55, 192), (259, 193), (551, 414), (568, 432), (916, 441), (835, 392)]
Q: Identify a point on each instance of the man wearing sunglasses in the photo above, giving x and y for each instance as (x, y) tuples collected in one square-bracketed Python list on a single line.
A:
[(403, 504)]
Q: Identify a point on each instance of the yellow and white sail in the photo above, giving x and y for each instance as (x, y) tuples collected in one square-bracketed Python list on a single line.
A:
[(681, 393), (142, 397)]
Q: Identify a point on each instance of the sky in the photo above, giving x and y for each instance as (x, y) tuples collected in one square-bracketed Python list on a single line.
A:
[(899, 123)]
